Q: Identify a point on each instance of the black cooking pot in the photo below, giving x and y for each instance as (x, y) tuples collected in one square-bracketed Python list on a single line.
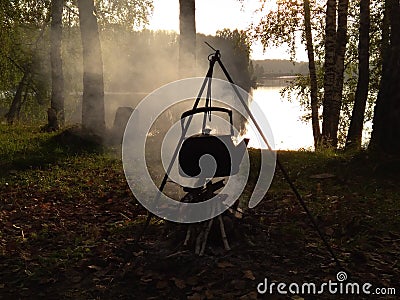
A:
[(227, 156)]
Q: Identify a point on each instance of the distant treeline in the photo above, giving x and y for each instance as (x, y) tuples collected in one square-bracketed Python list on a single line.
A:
[(278, 67)]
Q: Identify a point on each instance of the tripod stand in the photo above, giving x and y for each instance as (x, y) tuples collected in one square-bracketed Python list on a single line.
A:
[(215, 58)]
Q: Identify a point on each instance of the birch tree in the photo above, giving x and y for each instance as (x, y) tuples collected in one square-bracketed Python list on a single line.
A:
[(187, 37), (354, 135), (56, 111), (93, 114)]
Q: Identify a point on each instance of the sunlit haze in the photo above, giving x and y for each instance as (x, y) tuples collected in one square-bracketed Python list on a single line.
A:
[(212, 15)]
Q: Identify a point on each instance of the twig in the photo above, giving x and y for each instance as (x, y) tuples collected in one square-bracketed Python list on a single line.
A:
[(71, 10), (125, 216), (223, 233), (206, 233), (177, 253), (187, 236), (198, 241)]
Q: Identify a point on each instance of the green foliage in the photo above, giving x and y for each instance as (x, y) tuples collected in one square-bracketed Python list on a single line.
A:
[(131, 14), (240, 39), (25, 49), (235, 48), (281, 25), (128, 14)]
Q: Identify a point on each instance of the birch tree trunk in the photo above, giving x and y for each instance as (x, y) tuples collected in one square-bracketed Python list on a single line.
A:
[(340, 52), (335, 50), (313, 75), (328, 126), (57, 78), (354, 135), (93, 115), (16, 104), (187, 37)]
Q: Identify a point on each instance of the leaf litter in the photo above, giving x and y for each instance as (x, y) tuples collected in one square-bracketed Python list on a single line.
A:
[(78, 242)]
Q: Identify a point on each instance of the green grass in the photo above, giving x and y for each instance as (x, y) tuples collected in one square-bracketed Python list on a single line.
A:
[(29, 156), (49, 162), (359, 199)]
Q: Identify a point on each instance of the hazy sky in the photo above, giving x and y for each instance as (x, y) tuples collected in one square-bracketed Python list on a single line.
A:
[(212, 15)]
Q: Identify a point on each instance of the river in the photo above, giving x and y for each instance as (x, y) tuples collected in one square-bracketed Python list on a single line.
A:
[(284, 117)]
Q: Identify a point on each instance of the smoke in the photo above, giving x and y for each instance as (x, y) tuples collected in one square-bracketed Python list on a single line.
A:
[(137, 63)]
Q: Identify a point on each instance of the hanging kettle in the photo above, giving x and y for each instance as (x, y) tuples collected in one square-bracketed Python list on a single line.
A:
[(227, 156)]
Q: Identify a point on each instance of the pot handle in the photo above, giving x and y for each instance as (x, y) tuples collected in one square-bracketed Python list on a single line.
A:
[(209, 109)]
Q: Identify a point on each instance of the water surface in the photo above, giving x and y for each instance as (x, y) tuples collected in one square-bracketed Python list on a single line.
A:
[(284, 117)]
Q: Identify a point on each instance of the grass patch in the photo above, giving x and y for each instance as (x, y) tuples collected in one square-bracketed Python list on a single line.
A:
[(26, 147)]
